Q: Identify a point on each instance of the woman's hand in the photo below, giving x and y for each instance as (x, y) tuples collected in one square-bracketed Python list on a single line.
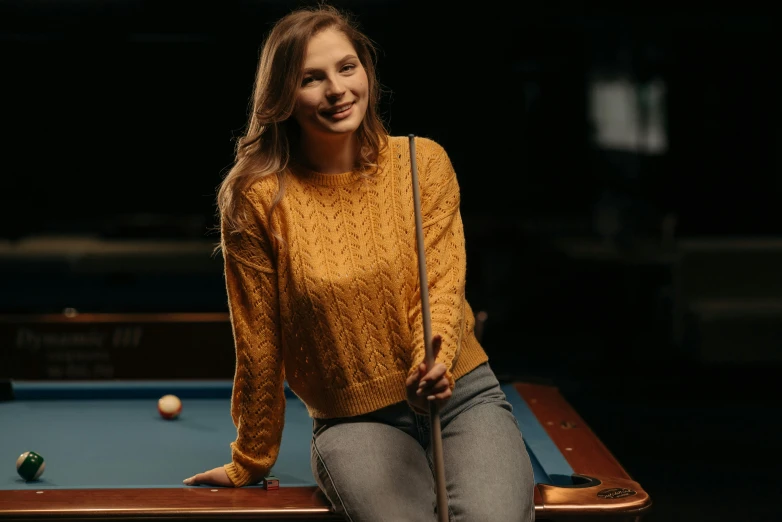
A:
[(213, 477), (428, 384)]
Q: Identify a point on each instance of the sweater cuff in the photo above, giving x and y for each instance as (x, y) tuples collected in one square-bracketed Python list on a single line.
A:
[(238, 475)]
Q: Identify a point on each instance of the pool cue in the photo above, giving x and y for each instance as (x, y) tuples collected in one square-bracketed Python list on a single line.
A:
[(434, 414)]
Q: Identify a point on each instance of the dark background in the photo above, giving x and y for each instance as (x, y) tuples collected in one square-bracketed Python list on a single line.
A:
[(644, 282)]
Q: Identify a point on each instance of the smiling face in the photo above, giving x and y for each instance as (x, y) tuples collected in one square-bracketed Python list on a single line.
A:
[(334, 93)]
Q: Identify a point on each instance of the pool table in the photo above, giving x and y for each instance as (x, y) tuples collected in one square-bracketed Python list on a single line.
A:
[(110, 455)]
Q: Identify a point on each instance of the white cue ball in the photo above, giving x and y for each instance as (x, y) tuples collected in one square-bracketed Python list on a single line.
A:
[(169, 406)]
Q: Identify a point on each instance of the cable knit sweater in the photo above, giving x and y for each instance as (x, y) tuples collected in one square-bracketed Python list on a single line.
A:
[(335, 310)]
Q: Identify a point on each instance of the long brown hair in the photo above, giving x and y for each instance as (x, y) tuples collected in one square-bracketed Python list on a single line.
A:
[(265, 147)]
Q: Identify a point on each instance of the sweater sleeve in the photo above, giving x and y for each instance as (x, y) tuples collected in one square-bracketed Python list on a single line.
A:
[(258, 399), (445, 259)]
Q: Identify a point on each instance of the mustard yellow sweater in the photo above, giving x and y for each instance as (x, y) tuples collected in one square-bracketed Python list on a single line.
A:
[(335, 310)]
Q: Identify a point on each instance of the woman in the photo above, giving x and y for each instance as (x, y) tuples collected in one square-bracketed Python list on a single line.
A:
[(318, 240)]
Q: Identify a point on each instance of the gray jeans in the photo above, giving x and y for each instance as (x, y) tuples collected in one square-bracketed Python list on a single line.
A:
[(378, 467)]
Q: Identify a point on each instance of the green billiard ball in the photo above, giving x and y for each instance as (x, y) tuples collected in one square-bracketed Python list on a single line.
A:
[(30, 465)]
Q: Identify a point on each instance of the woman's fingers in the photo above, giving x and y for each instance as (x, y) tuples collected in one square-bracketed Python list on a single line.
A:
[(435, 375), (412, 378), (213, 477), (437, 343), (437, 388)]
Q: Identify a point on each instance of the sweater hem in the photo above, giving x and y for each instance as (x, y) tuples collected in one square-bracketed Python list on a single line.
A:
[(373, 395)]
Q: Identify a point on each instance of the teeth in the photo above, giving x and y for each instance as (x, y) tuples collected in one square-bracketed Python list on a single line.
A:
[(343, 109)]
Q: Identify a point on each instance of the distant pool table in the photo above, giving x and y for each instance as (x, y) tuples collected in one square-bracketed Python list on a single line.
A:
[(110, 456)]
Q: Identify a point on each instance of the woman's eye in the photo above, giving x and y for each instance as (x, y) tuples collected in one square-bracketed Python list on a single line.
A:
[(348, 67), (307, 80)]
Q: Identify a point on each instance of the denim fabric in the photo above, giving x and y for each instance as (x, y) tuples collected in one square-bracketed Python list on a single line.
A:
[(379, 466)]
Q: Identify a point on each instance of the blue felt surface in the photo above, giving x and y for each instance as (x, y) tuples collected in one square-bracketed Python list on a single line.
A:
[(89, 442), (540, 447)]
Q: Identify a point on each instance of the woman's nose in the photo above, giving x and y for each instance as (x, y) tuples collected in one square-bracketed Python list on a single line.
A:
[(335, 88)]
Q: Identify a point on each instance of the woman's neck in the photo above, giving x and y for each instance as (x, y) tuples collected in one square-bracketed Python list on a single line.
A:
[(328, 156)]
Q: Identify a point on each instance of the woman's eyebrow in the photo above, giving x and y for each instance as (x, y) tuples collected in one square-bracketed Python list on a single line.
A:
[(344, 59)]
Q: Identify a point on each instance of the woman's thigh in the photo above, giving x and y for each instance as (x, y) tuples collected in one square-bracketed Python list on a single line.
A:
[(488, 472), (373, 472)]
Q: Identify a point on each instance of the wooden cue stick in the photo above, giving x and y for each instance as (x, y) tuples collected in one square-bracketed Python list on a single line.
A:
[(434, 414)]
